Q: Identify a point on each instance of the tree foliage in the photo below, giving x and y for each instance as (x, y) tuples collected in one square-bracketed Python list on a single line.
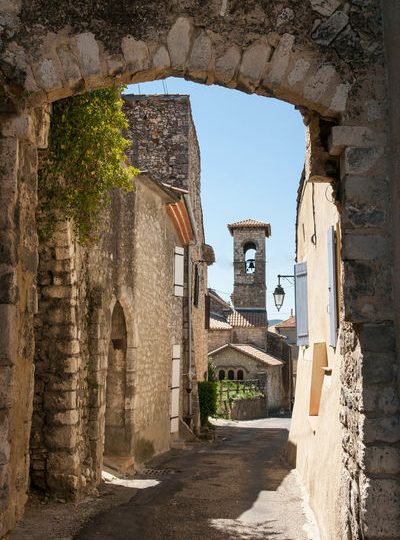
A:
[(85, 159), (207, 400)]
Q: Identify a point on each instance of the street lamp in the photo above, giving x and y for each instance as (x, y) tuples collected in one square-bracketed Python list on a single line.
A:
[(279, 293)]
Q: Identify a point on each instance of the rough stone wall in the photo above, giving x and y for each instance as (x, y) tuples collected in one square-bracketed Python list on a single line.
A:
[(249, 290), (323, 57), (254, 335)]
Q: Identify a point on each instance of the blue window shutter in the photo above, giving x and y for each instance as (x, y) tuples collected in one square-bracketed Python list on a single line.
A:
[(300, 274), (332, 289)]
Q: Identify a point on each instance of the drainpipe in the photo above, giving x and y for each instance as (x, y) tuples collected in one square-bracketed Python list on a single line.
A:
[(189, 282)]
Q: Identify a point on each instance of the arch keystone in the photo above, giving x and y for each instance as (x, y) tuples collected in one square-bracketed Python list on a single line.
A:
[(161, 59), (179, 41)]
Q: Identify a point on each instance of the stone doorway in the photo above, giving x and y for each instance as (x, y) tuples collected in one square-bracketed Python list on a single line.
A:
[(116, 439)]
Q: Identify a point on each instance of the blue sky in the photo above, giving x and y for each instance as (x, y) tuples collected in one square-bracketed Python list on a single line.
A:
[(252, 154)]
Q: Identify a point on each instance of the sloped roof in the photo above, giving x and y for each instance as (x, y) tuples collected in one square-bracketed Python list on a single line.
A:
[(218, 298), (251, 351), (218, 323), (289, 323), (250, 224), (246, 319)]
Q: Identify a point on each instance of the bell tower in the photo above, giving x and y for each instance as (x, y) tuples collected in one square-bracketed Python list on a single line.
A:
[(249, 288)]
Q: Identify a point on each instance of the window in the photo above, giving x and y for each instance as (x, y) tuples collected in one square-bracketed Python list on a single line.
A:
[(332, 287), (240, 375), (207, 312), (301, 298), (196, 284), (221, 375), (179, 270), (231, 375), (249, 250)]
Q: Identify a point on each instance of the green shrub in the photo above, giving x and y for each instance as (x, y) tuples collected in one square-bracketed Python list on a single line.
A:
[(85, 159), (207, 400)]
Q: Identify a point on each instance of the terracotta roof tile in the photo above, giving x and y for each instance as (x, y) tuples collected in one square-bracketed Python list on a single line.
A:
[(289, 323), (252, 351), (218, 323), (250, 224), (245, 319)]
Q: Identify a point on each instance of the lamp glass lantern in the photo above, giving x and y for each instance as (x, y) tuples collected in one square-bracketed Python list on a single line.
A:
[(279, 296)]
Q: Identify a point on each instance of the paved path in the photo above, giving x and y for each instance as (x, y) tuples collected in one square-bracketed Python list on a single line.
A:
[(239, 487)]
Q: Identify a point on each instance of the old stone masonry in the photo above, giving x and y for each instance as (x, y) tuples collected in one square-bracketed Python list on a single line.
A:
[(337, 62)]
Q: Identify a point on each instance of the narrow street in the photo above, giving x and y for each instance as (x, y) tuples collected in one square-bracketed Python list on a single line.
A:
[(238, 487)]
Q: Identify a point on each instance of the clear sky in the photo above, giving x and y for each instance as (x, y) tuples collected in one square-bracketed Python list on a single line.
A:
[(252, 154)]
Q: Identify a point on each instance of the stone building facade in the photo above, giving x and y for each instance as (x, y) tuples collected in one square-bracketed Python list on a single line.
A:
[(337, 62), (113, 323)]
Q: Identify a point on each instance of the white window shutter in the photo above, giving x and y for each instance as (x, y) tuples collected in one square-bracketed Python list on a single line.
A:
[(300, 274), (179, 270), (332, 288)]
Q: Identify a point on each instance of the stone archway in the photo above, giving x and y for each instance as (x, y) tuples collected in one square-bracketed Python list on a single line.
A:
[(116, 432), (325, 57)]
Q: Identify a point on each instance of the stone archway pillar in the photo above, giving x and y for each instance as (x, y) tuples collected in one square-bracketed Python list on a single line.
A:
[(20, 136)]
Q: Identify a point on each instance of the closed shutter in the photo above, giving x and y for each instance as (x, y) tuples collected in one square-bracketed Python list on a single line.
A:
[(332, 288), (207, 311), (179, 271), (300, 274), (175, 384), (196, 285)]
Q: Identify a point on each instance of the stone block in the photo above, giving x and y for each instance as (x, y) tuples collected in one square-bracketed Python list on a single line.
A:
[(381, 509), (280, 60), (227, 64), (136, 54), (7, 393), (327, 31), (201, 56), (72, 365), (115, 65), (87, 50), (57, 437), (356, 136), (9, 159), (69, 63), (4, 437), (60, 401), (53, 291), (364, 247), (65, 485), (298, 72), (42, 125), (161, 60), (378, 338), (63, 462), (22, 127), (325, 7), (320, 85), (69, 347), (8, 286), (254, 62), (63, 253), (10, 6), (339, 100), (8, 248), (385, 429), (382, 459), (66, 418), (179, 42), (382, 398), (47, 75), (360, 160)]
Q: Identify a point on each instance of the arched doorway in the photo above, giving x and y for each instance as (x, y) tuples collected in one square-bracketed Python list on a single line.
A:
[(115, 432)]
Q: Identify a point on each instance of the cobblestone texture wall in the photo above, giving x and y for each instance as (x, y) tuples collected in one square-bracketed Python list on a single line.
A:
[(322, 56)]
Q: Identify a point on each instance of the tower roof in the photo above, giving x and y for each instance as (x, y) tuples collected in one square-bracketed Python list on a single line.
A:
[(250, 224)]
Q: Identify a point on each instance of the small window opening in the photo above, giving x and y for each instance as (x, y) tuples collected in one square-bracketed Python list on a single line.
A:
[(231, 375), (250, 250), (240, 375), (221, 375)]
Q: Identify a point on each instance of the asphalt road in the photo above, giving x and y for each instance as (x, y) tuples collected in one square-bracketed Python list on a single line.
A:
[(238, 487)]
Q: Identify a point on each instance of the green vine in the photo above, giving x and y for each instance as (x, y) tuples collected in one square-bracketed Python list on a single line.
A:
[(85, 159)]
